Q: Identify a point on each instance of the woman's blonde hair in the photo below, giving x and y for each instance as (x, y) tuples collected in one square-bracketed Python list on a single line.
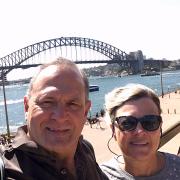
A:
[(119, 96)]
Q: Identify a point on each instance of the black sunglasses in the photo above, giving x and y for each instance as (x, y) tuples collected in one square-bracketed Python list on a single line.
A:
[(148, 122)]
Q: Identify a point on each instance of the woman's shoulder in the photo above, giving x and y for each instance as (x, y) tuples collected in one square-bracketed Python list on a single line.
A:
[(171, 158), (112, 169), (112, 164), (171, 168), (172, 162)]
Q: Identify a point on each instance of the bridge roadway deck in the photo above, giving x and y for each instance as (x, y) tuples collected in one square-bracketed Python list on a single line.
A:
[(170, 104)]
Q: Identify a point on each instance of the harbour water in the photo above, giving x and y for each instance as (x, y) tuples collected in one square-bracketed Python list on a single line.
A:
[(15, 94)]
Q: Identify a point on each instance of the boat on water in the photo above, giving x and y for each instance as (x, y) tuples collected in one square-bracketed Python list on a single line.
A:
[(152, 73), (93, 88)]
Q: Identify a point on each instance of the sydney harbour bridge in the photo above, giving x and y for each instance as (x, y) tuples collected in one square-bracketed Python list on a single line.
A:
[(77, 49)]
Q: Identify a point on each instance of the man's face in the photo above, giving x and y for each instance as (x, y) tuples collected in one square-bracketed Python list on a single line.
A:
[(138, 144), (57, 108)]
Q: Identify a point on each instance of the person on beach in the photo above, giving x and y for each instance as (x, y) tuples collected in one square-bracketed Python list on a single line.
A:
[(134, 115), (51, 146)]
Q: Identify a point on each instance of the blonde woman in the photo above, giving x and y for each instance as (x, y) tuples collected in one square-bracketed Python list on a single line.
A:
[(134, 115)]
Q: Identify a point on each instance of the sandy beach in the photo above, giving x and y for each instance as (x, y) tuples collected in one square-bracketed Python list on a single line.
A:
[(99, 137)]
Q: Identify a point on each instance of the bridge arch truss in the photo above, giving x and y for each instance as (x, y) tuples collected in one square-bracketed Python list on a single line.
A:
[(18, 57)]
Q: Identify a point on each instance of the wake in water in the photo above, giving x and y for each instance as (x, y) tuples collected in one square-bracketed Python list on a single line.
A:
[(11, 101)]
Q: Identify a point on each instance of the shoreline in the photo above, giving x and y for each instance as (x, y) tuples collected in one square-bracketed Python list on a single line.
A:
[(99, 137)]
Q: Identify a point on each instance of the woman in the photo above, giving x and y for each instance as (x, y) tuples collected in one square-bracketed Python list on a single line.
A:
[(134, 112)]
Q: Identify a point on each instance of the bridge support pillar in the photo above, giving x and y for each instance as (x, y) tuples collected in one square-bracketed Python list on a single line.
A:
[(138, 67), (135, 68)]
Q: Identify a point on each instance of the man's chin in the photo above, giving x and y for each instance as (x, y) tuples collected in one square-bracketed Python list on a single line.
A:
[(58, 144)]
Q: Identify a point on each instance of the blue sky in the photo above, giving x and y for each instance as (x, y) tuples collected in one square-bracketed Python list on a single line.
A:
[(148, 25)]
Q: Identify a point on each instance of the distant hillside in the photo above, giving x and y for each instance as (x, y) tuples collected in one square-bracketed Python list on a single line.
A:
[(120, 70), (107, 70)]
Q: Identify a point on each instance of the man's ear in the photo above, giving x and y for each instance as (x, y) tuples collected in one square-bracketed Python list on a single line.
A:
[(87, 107), (26, 102)]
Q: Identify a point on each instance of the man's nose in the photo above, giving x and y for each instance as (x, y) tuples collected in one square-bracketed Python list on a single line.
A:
[(59, 112)]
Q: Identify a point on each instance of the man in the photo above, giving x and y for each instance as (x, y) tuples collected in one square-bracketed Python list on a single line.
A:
[(50, 146)]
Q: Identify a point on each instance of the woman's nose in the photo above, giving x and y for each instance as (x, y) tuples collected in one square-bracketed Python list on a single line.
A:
[(139, 128)]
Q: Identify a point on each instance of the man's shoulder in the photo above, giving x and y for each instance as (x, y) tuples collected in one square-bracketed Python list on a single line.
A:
[(86, 158), (85, 150), (86, 144), (3, 148), (87, 147)]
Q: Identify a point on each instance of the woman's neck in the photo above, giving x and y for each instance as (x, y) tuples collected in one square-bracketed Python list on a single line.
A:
[(144, 168)]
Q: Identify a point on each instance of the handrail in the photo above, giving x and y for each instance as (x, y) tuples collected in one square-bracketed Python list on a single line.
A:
[(170, 133)]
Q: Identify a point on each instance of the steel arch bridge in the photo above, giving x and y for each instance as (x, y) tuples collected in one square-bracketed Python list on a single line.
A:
[(16, 58)]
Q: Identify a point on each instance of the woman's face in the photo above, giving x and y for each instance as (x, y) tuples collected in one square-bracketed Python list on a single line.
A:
[(138, 144)]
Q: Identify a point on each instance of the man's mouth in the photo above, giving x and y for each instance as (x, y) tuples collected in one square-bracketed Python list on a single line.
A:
[(57, 130)]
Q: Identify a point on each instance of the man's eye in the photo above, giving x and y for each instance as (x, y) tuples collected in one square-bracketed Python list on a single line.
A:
[(74, 104), (45, 103)]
